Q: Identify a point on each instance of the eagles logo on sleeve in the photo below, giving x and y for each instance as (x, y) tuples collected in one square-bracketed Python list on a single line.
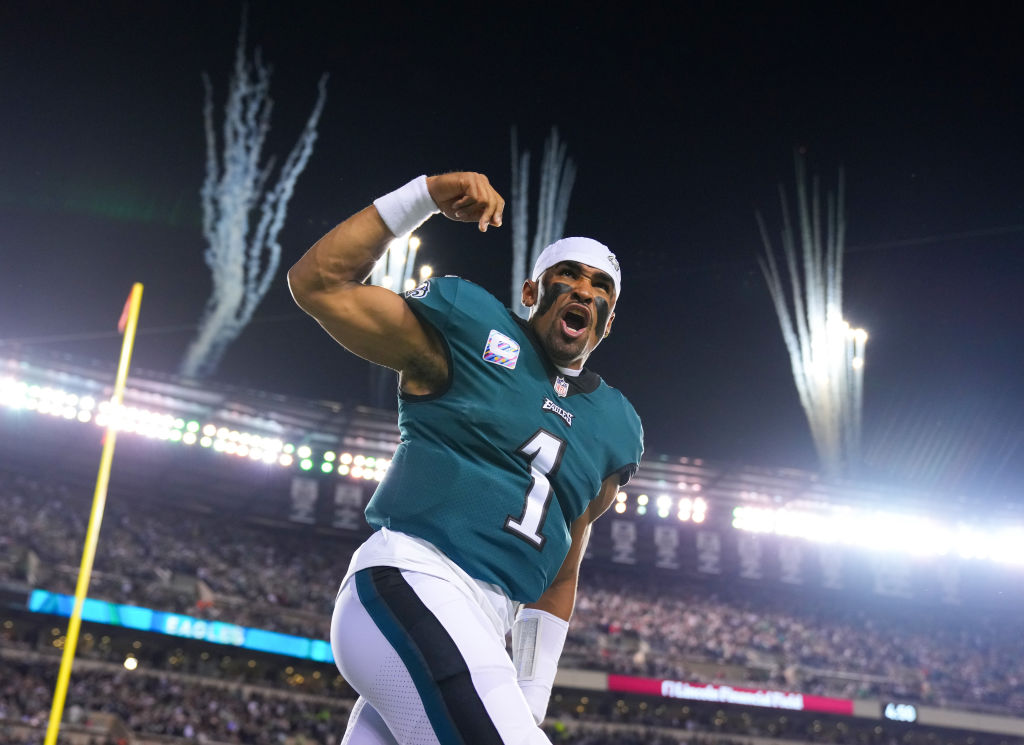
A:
[(420, 291)]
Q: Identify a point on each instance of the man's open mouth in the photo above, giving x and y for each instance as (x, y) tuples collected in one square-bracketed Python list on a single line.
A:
[(574, 322)]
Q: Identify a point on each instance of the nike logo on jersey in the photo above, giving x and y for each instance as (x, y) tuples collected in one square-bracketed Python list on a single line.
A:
[(554, 408)]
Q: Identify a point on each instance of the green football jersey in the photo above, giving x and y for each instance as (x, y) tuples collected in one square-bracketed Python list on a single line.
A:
[(494, 468)]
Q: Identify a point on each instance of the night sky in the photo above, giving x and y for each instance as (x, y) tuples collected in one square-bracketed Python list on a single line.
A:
[(682, 125)]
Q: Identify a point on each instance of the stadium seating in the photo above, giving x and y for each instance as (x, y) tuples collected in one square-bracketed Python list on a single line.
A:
[(280, 578)]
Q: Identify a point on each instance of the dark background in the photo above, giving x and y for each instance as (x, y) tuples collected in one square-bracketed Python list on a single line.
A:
[(682, 120)]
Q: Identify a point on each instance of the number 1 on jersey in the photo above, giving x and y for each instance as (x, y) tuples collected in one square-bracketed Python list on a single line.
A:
[(544, 452)]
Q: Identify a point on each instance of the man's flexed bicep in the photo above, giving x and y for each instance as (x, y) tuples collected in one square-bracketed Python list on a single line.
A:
[(370, 321)]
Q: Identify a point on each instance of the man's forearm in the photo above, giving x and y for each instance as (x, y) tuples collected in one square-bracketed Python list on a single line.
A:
[(558, 600), (560, 597), (538, 635)]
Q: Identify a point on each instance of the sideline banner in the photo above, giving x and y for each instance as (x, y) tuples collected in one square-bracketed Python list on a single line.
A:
[(176, 624), (724, 694)]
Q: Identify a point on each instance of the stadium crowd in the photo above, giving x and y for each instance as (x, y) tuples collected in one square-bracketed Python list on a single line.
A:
[(170, 708), (812, 645), (172, 705), (285, 580)]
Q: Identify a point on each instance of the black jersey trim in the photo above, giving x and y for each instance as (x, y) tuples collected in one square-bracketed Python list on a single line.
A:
[(413, 397), (585, 382), (623, 473), (442, 677)]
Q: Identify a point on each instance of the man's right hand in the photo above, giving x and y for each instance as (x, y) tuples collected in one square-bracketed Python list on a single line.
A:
[(467, 197)]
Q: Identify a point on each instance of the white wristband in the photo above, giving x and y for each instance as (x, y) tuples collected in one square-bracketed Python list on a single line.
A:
[(407, 207), (537, 641)]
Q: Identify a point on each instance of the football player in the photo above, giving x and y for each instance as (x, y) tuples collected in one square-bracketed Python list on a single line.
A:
[(510, 449)]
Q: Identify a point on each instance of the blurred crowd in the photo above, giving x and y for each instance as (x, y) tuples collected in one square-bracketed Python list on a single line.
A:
[(166, 708), (173, 560), (170, 705), (285, 579), (811, 644), (156, 706)]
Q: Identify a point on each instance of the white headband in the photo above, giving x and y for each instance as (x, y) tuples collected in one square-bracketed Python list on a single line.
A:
[(583, 250)]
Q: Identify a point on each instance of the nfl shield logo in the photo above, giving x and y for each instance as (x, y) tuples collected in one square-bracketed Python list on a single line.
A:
[(561, 387)]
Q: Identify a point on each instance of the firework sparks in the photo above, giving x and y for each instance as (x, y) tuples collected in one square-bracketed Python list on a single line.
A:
[(557, 176), (243, 258), (825, 353)]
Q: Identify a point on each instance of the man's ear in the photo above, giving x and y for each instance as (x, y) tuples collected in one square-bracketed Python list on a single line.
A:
[(529, 293), (608, 326)]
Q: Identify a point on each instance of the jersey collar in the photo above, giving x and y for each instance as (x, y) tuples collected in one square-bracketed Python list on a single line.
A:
[(585, 382)]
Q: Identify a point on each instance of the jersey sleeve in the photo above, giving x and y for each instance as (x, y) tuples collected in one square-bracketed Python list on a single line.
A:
[(632, 444), (434, 300)]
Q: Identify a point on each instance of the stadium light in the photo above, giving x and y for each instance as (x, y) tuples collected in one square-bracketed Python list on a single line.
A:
[(395, 268), (692, 509), (913, 535), (56, 402), (685, 509)]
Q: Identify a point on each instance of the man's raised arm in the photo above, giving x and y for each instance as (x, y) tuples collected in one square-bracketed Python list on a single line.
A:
[(370, 321)]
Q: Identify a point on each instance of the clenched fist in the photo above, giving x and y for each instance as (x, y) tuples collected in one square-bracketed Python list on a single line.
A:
[(467, 197)]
